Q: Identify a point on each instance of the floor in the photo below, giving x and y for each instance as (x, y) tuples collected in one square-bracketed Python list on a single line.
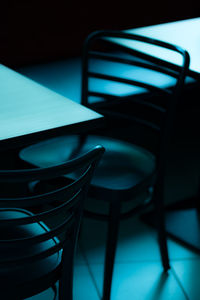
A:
[(138, 272)]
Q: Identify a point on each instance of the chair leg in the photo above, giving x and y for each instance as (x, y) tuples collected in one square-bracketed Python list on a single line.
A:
[(66, 280), (112, 236), (160, 217)]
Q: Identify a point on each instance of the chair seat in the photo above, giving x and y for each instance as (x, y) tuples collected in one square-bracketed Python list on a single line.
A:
[(20, 273), (122, 166)]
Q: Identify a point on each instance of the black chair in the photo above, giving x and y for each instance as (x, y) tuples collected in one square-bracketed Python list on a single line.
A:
[(39, 231), (138, 94)]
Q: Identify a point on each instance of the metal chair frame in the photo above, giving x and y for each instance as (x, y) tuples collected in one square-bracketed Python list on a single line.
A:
[(108, 52), (68, 199)]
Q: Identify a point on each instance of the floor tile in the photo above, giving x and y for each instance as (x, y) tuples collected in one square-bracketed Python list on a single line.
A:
[(84, 287), (79, 259), (140, 281), (134, 237), (188, 272)]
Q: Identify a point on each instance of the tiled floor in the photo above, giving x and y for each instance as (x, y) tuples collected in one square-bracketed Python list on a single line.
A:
[(138, 272)]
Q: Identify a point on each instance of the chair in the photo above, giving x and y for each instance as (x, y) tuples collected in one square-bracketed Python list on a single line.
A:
[(39, 231), (138, 94)]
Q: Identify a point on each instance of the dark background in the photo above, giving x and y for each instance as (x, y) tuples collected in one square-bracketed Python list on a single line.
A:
[(33, 31)]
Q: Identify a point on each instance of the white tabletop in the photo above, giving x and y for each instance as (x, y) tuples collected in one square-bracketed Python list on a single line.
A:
[(184, 33), (28, 107)]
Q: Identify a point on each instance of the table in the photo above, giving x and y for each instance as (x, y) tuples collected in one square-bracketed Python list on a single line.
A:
[(182, 218), (184, 33), (31, 112)]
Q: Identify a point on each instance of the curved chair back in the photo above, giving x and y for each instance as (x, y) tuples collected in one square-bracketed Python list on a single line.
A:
[(134, 84), (57, 214)]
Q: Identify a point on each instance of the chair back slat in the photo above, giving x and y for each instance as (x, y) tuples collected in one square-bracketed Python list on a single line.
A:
[(144, 85), (130, 80), (145, 61), (61, 207), (164, 68), (61, 193)]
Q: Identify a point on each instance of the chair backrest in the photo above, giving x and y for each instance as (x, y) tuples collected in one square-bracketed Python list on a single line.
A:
[(63, 204), (131, 85)]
